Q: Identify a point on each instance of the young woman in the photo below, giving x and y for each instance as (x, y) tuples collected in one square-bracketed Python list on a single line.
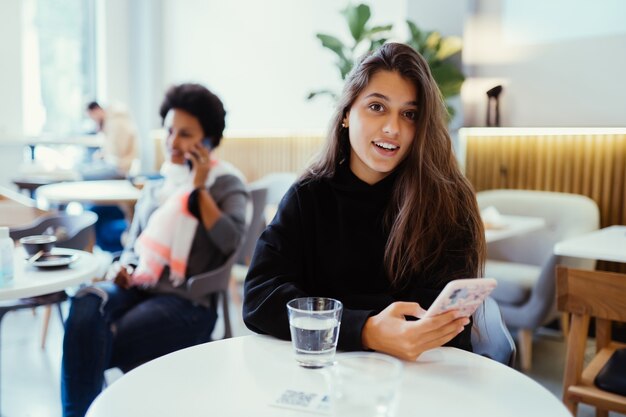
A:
[(188, 223), (382, 221)]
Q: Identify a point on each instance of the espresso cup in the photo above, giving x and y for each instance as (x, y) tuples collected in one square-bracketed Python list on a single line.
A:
[(33, 244)]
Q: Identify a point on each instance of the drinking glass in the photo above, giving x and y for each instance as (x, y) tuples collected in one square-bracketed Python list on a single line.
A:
[(365, 384), (314, 324)]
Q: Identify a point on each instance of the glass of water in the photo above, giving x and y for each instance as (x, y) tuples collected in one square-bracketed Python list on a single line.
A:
[(365, 384), (314, 324)]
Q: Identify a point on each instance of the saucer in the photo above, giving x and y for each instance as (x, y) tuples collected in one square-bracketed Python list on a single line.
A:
[(57, 258)]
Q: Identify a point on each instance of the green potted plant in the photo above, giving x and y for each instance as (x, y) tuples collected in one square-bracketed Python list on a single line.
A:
[(436, 49)]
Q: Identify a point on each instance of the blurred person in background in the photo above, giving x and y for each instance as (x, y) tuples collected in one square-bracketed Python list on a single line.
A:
[(119, 148)]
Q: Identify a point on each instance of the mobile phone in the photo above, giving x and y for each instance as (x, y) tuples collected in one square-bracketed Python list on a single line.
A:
[(207, 143), (464, 295)]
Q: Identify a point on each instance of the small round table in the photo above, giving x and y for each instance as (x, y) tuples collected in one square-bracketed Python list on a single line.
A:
[(30, 281), (243, 376), (98, 192), (106, 192)]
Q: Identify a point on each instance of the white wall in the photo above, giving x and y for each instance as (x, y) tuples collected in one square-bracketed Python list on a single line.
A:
[(568, 75), (261, 57), (10, 69)]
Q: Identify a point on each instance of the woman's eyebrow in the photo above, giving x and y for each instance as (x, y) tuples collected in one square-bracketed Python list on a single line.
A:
[(384, 97)]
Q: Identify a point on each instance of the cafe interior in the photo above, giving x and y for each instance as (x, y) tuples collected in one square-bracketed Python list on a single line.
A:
[(537, 124)]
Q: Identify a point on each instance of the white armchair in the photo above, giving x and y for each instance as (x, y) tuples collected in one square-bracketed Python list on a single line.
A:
[(525, 265)]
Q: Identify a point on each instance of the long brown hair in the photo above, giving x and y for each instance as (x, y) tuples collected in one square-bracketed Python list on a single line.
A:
[(433, 209)]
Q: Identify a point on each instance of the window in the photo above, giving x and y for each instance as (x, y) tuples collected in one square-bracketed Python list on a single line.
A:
[(59, 64)]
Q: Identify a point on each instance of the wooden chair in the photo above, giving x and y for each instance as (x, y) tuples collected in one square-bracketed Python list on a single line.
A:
[(585, 294)]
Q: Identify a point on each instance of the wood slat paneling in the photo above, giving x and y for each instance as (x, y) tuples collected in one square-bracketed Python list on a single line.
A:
[(589, 164), (257, 156)]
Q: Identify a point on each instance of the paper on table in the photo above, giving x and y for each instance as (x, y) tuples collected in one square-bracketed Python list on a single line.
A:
[(314, 402), (492, 219)]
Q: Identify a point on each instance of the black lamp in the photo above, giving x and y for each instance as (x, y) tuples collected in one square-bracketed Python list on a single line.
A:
[(493, 102)]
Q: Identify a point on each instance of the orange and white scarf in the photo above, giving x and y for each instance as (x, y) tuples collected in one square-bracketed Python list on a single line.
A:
[(167, 238)]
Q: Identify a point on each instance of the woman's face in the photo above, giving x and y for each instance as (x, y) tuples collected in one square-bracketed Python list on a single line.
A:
[(184, 131), (381, 125)]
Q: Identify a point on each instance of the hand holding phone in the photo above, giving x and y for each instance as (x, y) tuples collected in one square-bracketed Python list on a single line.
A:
[(207, 144), (464, 295)]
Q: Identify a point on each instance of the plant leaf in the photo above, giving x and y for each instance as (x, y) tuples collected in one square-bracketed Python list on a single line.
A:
[(314, 94), (357, 17), (377, 43), (333, 44), (448, 78), (345, 66), (416, 34), (433, 40), (377, 30), (449, 46)]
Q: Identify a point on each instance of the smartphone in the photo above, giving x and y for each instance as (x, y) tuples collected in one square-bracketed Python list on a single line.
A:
[(464, 295), (207, 143)]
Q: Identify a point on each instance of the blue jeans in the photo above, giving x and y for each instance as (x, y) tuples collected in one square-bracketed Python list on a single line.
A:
[(131, 328)]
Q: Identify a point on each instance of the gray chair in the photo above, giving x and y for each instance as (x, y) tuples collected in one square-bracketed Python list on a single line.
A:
[(257, 224), (215, 284), (268, 190), (490, 336), (73, 232), (525, 265)]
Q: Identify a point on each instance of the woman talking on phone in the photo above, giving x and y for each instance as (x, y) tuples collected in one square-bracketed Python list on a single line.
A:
[(381, 221), (188, 223)]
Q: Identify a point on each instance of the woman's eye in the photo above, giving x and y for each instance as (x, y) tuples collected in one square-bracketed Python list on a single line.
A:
[(411, 115), (376, 107)]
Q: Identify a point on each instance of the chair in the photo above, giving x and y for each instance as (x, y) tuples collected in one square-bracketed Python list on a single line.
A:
[(277, 184), (490, 336), (257, 224), (215, 284), (524, 265), (73, 232), (587, 294), (268, 190)]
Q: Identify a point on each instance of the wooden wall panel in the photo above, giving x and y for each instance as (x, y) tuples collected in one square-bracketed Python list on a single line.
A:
[(590, 164), (259, 156)]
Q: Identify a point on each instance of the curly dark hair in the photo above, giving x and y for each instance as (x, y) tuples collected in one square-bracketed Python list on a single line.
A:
[(198, 101)]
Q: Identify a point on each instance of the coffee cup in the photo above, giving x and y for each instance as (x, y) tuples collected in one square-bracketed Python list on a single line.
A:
[(34, 244)]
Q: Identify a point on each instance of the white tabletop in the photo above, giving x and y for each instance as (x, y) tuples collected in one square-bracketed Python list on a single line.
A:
[(608, 244), (244, 375), (101, 192), (511, 226), (29, 281)]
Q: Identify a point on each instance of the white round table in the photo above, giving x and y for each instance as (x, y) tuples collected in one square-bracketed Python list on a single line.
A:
[(98, 192), (29, 281), (243, 376)]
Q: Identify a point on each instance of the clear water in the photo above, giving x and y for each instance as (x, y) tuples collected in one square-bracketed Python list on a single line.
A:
[(314, 339)]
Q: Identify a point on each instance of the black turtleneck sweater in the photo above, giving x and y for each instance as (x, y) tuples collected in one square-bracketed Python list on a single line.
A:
[(328, 240)]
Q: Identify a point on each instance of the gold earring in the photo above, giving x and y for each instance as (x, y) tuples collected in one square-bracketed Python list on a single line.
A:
[(344, 124)]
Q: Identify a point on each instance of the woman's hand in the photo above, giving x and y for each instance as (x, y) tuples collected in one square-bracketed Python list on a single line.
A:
[(121, 275), (201, 164), (389, 332)]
